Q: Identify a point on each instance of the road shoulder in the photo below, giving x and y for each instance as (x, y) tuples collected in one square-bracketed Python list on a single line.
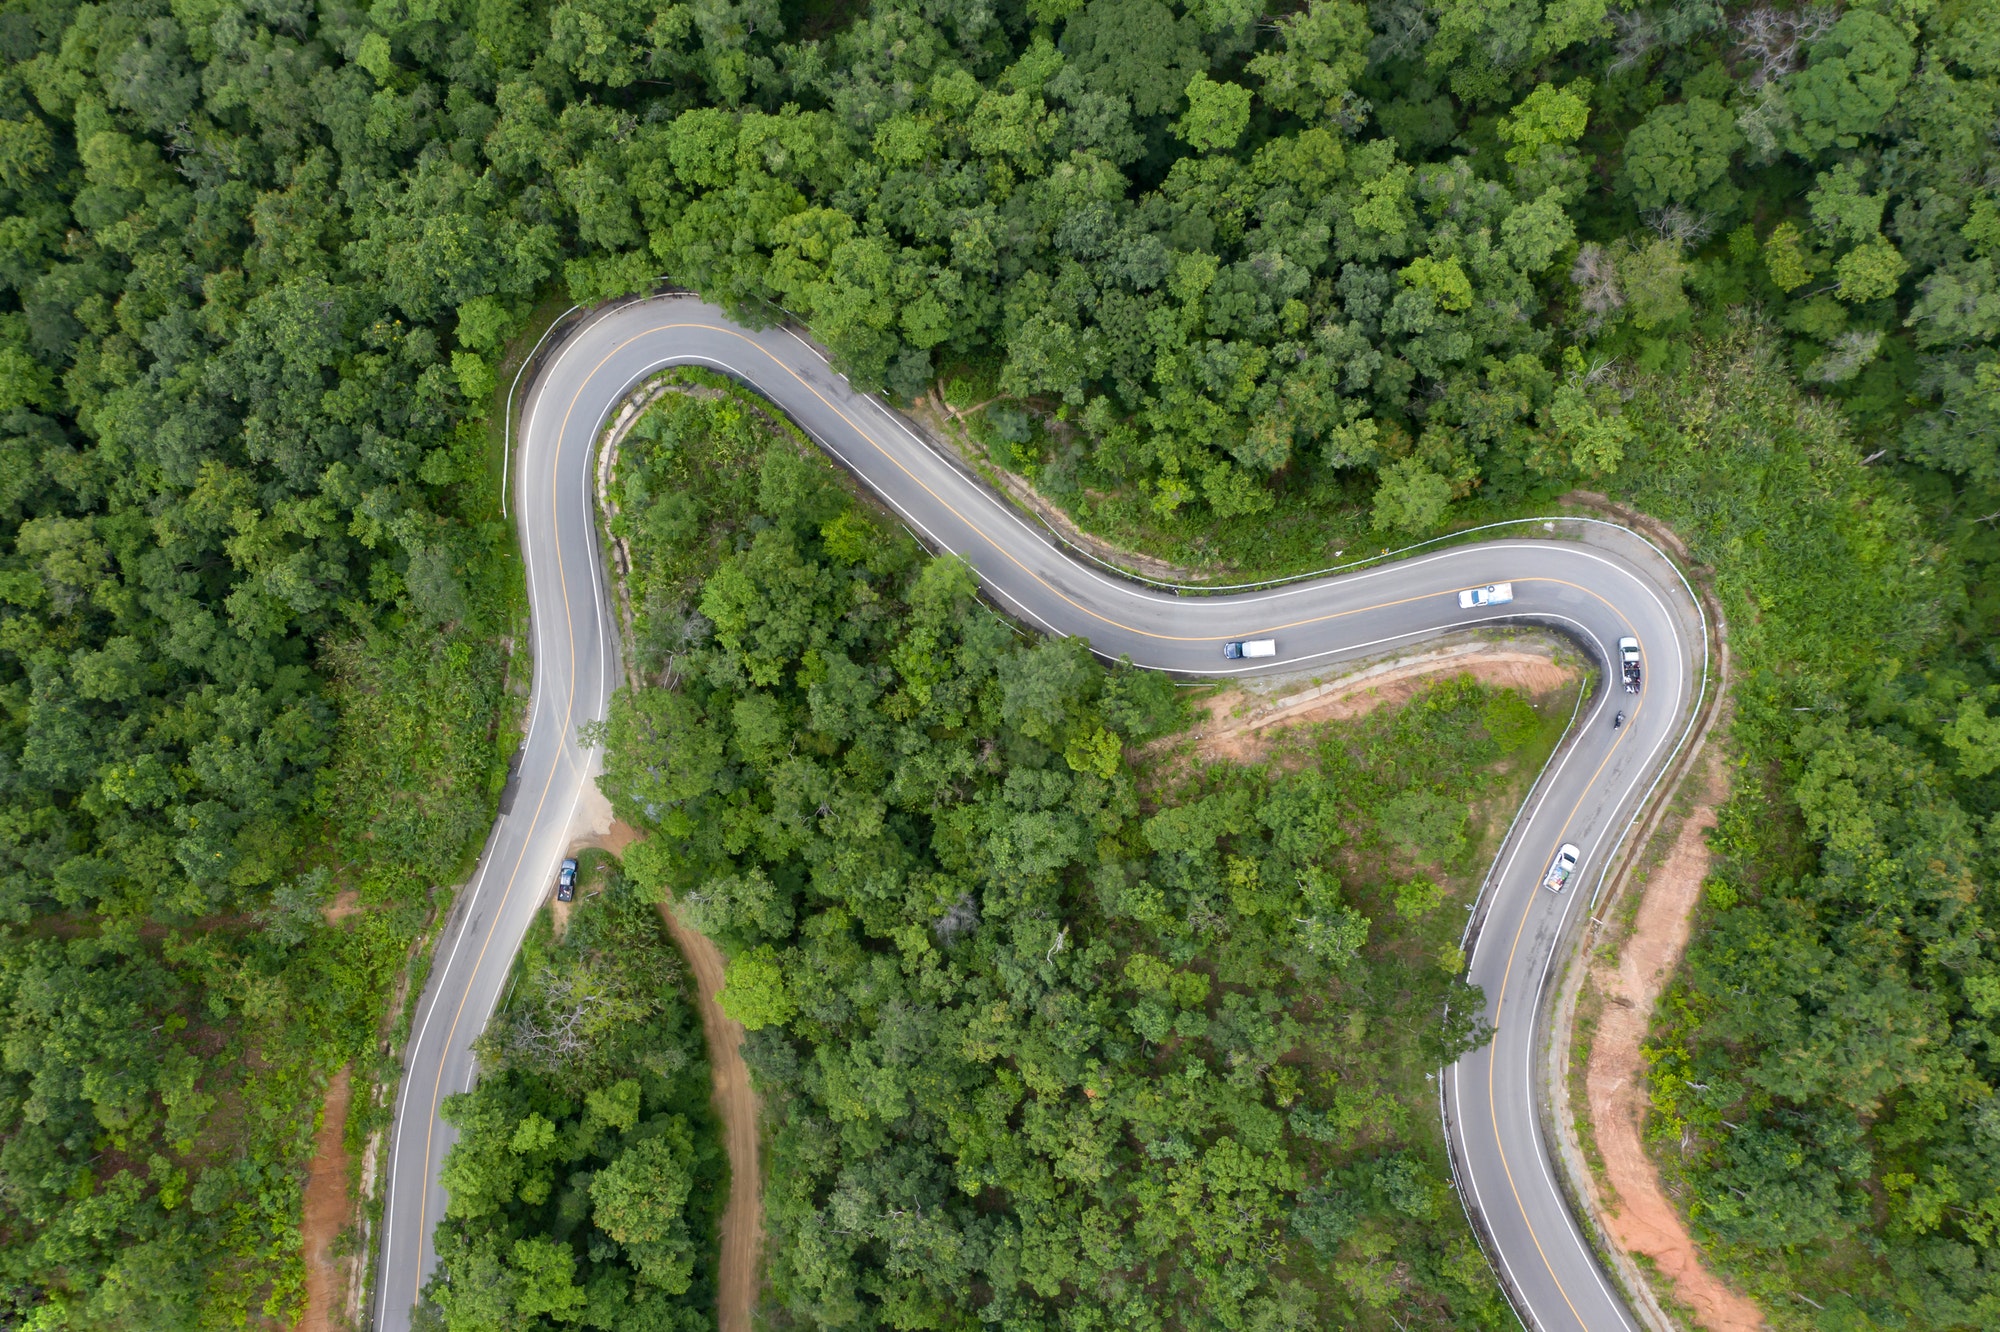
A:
[(1620, 992), (1595, 1099)]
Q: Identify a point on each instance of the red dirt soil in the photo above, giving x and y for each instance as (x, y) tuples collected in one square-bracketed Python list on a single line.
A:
[(1634, 1210), (326, 1208), (743, 1216), (621, 836)]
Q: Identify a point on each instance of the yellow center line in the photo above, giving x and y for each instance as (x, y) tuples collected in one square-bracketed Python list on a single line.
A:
[(980, 532), (569, 710), (1293, 624), (1492, 1057)]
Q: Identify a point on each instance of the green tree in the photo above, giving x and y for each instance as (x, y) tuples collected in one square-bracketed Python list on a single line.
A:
[(1549, 117), (1975, 737), (1654, 277), (1443, 279), (1597, 442), (1869, 272), (756, 993), (1850, 83), (1321, 50), (640, 1200), (545, 1272), (1679, 153), (1411, 499), (1786, 257), (1041, 686), (1841, 209), (1216, 116)]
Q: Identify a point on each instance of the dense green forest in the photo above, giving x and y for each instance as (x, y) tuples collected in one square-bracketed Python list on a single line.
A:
[(1041, 1031), (588, 1173), (1823, 1077), (1247, 283)]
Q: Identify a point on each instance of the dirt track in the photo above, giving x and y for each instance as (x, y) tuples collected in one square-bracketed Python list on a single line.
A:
[(1234, 737), (326, 1207), (736, 1105), (1633, 1207)]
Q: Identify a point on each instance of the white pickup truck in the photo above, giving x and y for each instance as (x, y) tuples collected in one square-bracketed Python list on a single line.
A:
[(1628, 662), (1493, 594), (1252, 647), (1561, 867)]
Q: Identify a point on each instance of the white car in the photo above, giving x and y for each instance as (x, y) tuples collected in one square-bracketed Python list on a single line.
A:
[(1493, 594), (1563, 866)]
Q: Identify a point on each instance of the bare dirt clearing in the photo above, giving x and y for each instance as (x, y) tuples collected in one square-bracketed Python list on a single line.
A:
[(1241, 726), (327, 1208), (1635, 1210)]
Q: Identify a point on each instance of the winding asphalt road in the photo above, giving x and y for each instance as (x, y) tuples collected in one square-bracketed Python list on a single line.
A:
[(1592, 582)]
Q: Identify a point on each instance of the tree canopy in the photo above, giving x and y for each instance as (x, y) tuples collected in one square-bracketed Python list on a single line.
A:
[(1244, 288), (1033, 1015), (588, 1173)]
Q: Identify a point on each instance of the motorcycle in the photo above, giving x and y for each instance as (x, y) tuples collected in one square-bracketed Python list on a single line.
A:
[(1617, 721)]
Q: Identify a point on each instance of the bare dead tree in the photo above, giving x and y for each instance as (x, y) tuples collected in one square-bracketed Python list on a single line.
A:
[(1848, 355), (1595, 277), (1402, 28), (962, 917), (557, 1029), (1683, 226), (1774, 40), (562, 1017), (1638, 36), (1599, 370)]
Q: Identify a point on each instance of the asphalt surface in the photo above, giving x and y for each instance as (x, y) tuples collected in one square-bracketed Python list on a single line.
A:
[(1593, 583)]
